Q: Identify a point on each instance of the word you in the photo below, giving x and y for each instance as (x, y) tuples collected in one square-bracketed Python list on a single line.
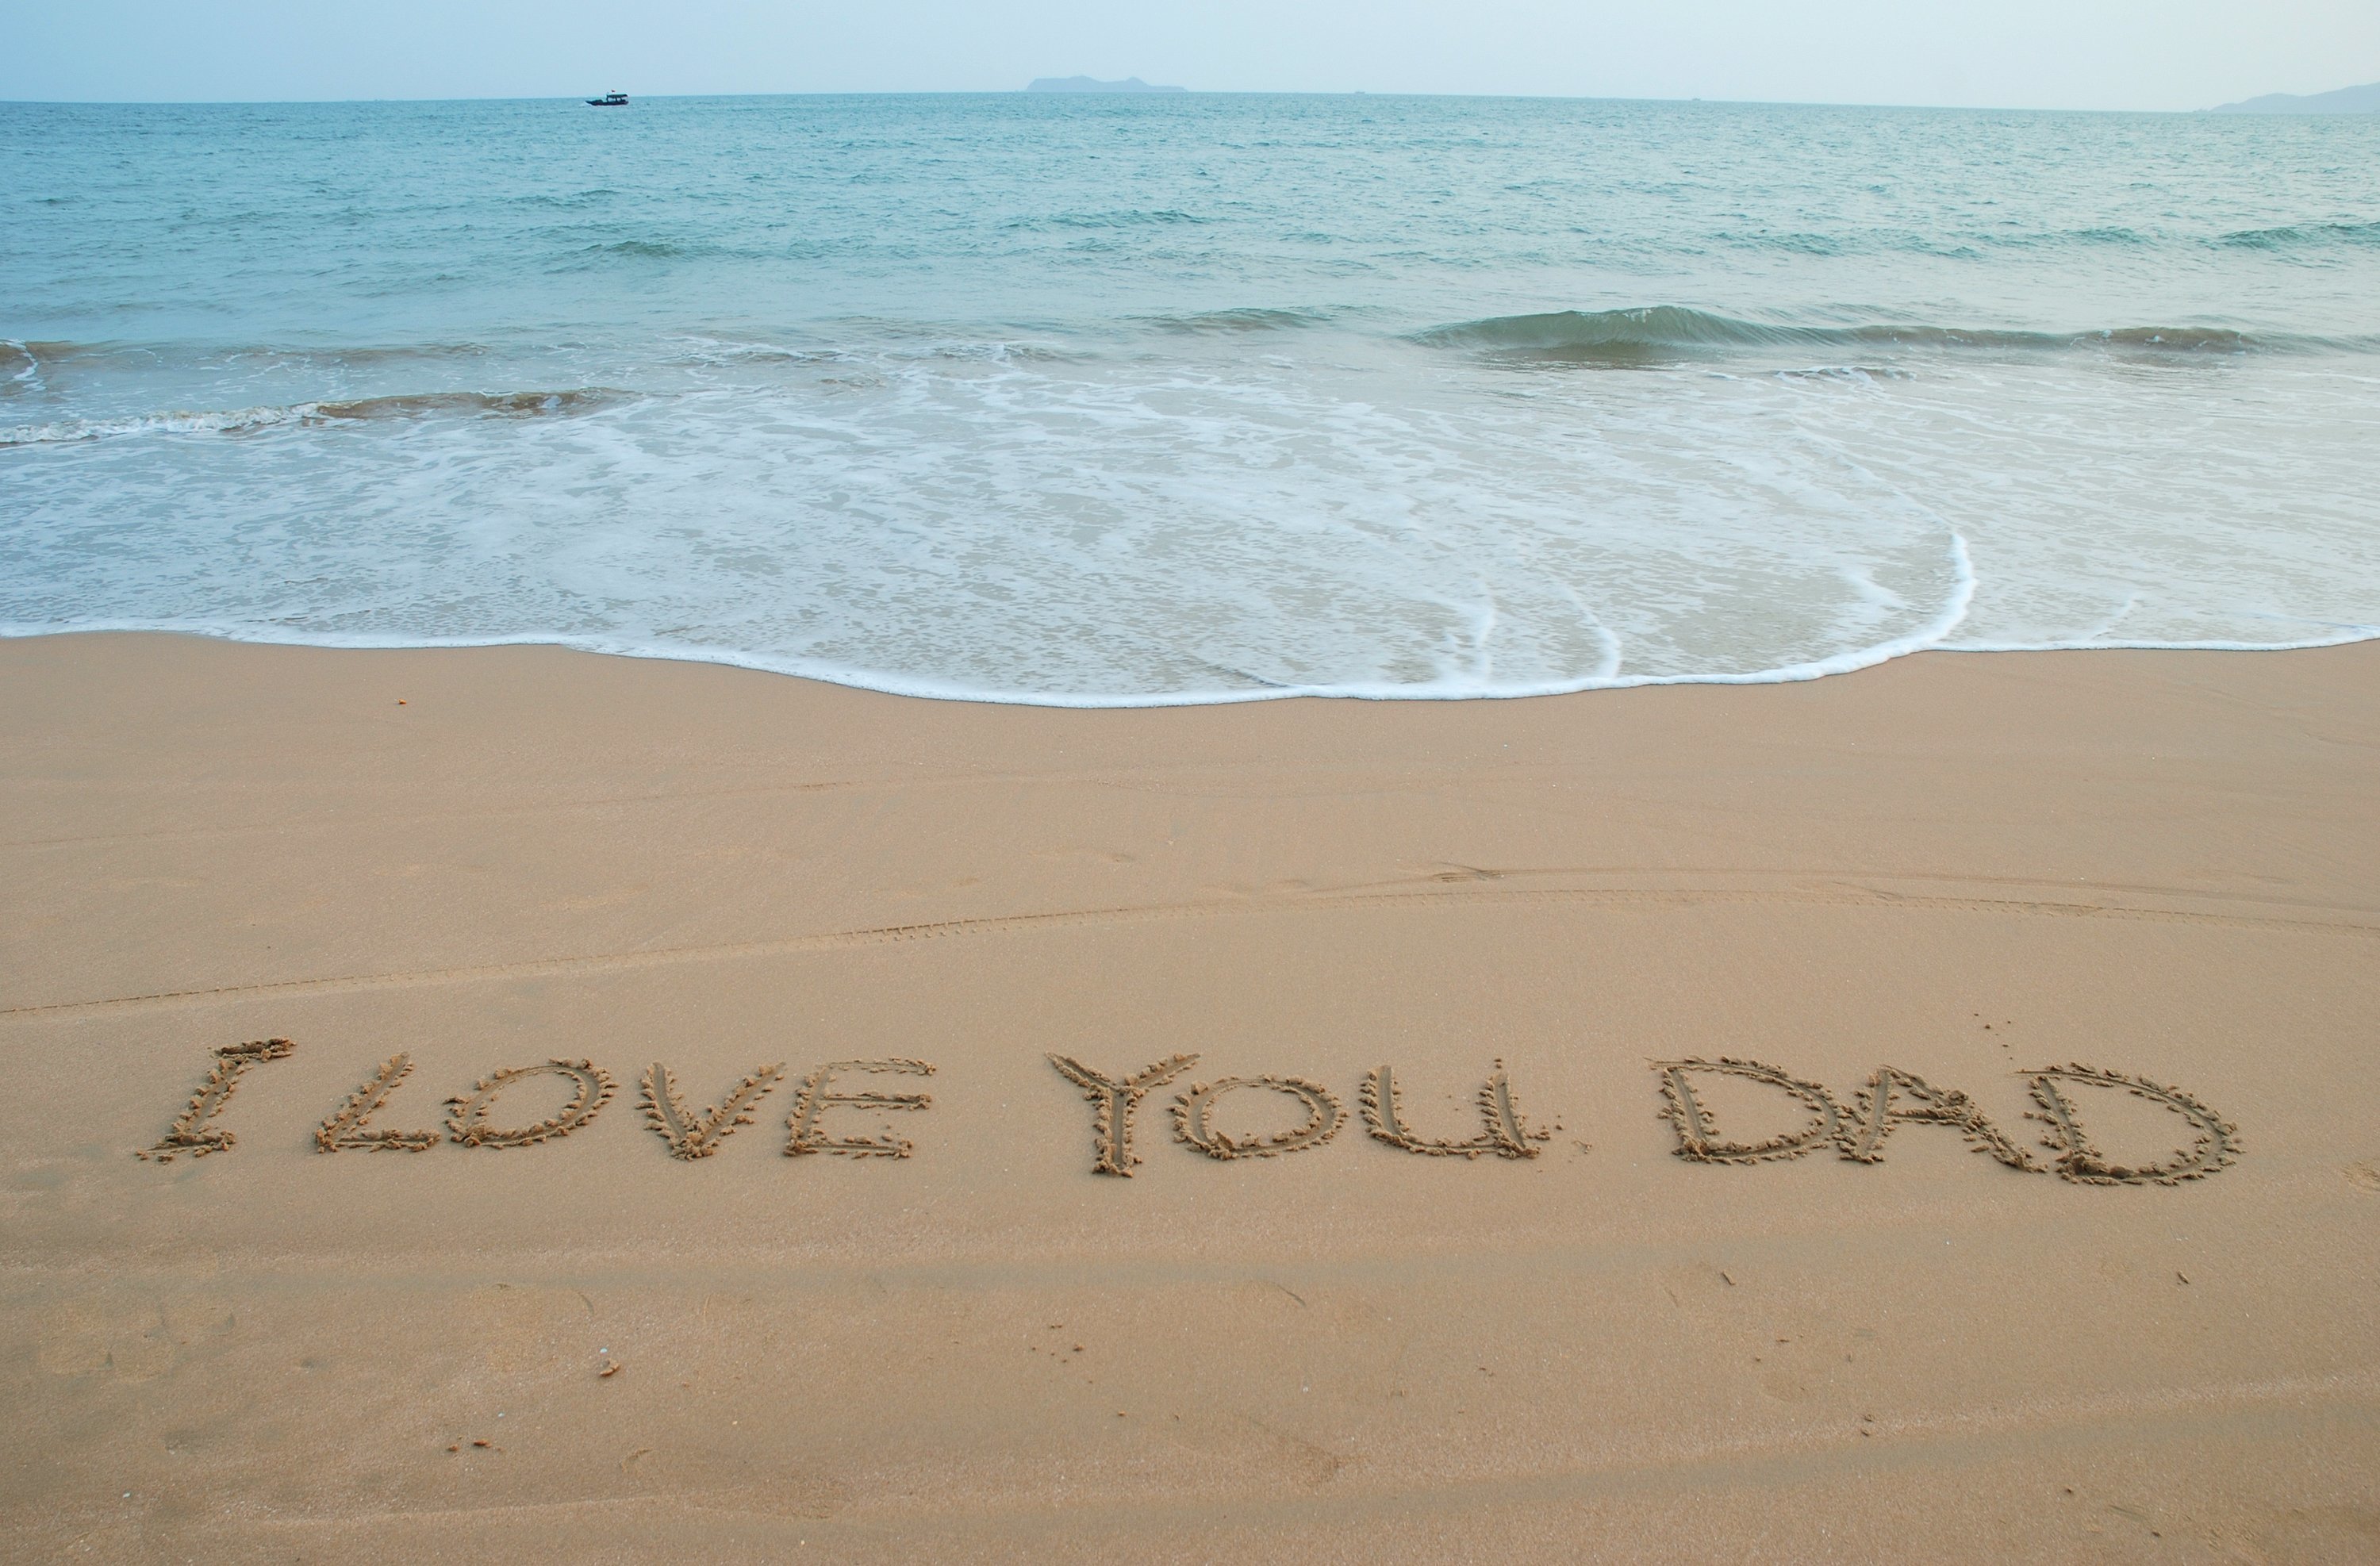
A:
[(1857, 1129)]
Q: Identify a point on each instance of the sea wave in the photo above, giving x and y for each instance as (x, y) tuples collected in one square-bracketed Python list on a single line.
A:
[(19, 371), (2303, 236), (369, 356), (1665, 334), (54, 353), (240, 420), (897, 347), (220, 421), (1249, 319), (620, 250), (1130, 218), (25, 362)]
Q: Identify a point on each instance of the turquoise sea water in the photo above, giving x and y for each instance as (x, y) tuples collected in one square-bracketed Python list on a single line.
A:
[(1192, 398)]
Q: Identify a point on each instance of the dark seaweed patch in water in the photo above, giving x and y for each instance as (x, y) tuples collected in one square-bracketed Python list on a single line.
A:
[(211, 356), (58, 353), (1657, 333), (485, 405), (248, 421), (2173, 339), (1846, 373)]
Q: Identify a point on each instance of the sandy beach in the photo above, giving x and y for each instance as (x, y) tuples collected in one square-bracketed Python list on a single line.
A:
[(1919, 1296)]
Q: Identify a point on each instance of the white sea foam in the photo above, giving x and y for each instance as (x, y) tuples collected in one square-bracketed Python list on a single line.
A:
[(1118, 532), (177, 422)]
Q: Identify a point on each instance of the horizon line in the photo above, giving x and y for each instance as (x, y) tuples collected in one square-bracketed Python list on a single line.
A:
[(1166, 95)]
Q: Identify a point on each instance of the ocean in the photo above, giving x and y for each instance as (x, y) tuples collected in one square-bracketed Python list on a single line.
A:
[(1134, 401)]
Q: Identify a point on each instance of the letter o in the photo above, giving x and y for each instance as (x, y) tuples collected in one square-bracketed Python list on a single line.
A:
[(1324, 1116), (467, 1117)]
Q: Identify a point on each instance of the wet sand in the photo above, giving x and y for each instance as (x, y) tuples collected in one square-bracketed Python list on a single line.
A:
[(598, 1311)]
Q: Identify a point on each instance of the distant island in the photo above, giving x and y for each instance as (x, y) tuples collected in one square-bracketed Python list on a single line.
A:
[(1090, 84), (2364, 99)]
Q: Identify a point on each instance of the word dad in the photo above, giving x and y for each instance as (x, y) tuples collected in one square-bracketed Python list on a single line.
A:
[(1857, 1131)]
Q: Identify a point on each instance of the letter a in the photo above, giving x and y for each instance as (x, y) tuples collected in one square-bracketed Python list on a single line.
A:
[(1892, 1096)]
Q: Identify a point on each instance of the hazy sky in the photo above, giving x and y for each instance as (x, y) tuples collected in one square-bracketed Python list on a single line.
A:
[(2077, 54)]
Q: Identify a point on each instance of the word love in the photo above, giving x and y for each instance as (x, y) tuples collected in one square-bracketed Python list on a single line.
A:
[(472, 1119), (1893, 1096)]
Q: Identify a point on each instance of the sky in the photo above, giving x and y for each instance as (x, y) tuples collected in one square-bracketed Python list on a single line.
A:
[(2014, 54)]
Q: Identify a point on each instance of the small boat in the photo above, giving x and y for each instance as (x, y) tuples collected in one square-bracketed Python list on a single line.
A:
[(615, 99)]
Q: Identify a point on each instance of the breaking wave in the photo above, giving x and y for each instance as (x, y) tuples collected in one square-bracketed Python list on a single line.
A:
[(1666, 334), (19, 371), (2303, 236), (231, 421)]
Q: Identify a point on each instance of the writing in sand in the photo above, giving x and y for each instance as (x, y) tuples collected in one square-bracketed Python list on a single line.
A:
[(1856, 1126)]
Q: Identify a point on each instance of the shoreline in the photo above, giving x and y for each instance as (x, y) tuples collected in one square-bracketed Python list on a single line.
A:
[(1470, 1326), (930, 690)]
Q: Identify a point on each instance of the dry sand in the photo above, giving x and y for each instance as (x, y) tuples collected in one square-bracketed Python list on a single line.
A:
[(609, 1323)]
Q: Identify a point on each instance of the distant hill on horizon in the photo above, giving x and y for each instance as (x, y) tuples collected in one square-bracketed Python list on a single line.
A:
[(1091, 84), (2364, 99)]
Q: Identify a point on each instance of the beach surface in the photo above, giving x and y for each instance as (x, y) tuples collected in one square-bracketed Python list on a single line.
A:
[(938, 1332)]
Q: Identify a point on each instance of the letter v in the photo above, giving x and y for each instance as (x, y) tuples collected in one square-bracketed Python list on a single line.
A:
[(690, 1136)]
